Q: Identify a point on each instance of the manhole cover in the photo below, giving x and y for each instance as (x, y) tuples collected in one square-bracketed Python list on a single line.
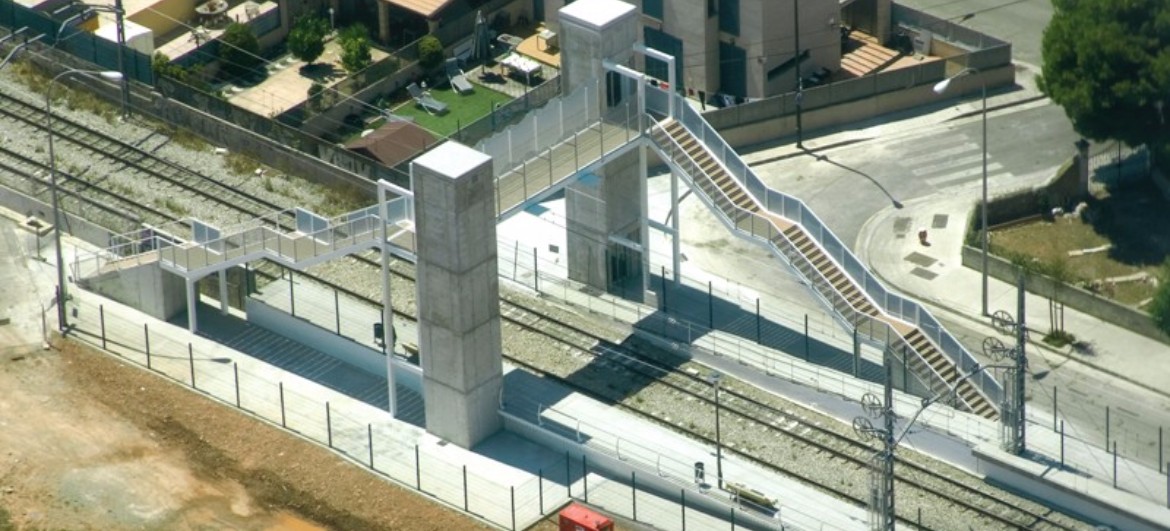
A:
[(939, 222), (901, 226), (920, 259), (920, 272)]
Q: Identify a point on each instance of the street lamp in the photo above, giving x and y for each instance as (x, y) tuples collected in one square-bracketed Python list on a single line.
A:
[(940, 88), (61, 290), (715, 378)]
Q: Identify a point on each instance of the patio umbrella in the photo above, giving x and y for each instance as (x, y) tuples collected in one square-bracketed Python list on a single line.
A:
[(481, 43)]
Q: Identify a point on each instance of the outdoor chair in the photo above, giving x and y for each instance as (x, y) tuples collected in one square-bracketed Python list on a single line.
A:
[(457, 78), (425, 100)]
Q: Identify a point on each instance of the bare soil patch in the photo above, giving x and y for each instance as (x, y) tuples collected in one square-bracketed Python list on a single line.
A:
[(87, 442)]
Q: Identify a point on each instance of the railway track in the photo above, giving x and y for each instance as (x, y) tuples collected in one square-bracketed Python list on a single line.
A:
[(645, 367), (165, 178), (611, 362)]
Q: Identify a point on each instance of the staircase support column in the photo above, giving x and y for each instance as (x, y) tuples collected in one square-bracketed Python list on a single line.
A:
[(192, 304), (675, 241), (223, 292), (644, 217), (388, 339)]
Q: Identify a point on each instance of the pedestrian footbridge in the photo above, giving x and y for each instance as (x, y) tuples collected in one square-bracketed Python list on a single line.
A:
[(550, 149)]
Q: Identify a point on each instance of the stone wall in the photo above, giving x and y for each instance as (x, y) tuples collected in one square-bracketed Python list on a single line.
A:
[(1074, 297)]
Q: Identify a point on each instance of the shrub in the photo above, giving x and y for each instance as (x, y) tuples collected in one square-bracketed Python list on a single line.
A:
[(355, 48), (239, 50), (306, 41), (430, 52), (1160, 305)]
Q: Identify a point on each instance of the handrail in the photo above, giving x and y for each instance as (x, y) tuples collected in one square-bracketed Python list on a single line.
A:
[(913, 312), (670, 156)]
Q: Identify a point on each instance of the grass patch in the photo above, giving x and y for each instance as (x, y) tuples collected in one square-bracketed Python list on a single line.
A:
[(1047, 243), (187, 139), (341, 199), (461, 109), (32, 76), (175, 207), (241, 164), (1060, 338)]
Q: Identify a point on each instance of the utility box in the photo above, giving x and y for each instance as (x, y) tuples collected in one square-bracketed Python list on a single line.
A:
[(580, 518)]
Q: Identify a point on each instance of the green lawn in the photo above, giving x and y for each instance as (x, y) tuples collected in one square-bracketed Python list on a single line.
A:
[(462, 109)]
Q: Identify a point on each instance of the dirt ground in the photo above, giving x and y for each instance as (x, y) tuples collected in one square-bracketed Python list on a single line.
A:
[(87, 442)]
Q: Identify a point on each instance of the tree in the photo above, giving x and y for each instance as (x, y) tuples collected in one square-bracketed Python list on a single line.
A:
[(1107, 62), (1160, 306), (239, 51), (315, 91), (306, 41), (355, 48), (430, 51)]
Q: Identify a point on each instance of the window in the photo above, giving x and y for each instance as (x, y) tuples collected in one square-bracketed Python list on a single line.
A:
[(667, 43), (732, 70), (729, 16), (652, 8)]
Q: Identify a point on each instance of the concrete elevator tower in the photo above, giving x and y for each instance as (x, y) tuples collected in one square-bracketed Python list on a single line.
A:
[(458, 293), (606, 211)]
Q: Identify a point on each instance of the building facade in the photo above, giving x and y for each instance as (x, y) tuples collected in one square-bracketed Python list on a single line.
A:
[(744, 48)]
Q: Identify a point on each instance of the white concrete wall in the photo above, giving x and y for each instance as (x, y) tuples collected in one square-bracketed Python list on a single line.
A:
[(147, 287)]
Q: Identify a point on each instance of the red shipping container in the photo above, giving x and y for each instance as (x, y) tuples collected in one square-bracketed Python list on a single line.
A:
[(580, 518)]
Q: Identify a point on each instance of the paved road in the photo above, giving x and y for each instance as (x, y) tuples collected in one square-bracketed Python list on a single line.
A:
[(1020, 22), (852, 183)]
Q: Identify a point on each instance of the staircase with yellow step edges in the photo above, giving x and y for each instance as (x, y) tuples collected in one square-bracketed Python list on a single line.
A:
[(922, 357), (866, 55)]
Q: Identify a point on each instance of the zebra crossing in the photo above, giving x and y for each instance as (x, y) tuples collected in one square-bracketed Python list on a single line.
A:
[(947, 161)]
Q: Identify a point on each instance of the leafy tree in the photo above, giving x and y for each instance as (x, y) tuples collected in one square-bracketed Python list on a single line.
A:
[(306, 41), (315, 91), (239, 51), (355, 48), (1160, 306), (430, 51), (1107, 62)]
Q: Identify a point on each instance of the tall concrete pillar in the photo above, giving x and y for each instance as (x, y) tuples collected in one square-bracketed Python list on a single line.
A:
[(605, 225), (383, 21), (593, 31), (458, 293)]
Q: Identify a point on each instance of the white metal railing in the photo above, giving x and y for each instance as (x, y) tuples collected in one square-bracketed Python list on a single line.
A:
[(794, 209), (673, 150)]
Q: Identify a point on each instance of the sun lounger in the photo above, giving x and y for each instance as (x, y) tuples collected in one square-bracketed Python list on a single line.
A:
[(426, 101), (457, 78)]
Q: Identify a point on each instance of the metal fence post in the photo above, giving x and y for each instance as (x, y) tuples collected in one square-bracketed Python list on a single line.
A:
[(758, 342), (710, 306), (191, 362), (540, 487), (513, 491), (370, 441), (806, 345), (568, 474), (1055, 395), (101, 312), (329, 424), (683, 492), (337, 311), (535, 271), (1115, 464), (664, 309), (236, 373), (417, 469), (1106, 428), (282, 419), (292, 300), (585, 476), (146, 334), (1160, 451), (1062, 444), (465, 489), (634, 492)]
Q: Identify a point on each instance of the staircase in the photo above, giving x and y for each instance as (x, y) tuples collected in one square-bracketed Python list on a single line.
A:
[(839, 290), (866, 55)]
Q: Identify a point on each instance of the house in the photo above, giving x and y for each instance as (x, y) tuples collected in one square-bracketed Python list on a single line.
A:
[(393, 143)]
